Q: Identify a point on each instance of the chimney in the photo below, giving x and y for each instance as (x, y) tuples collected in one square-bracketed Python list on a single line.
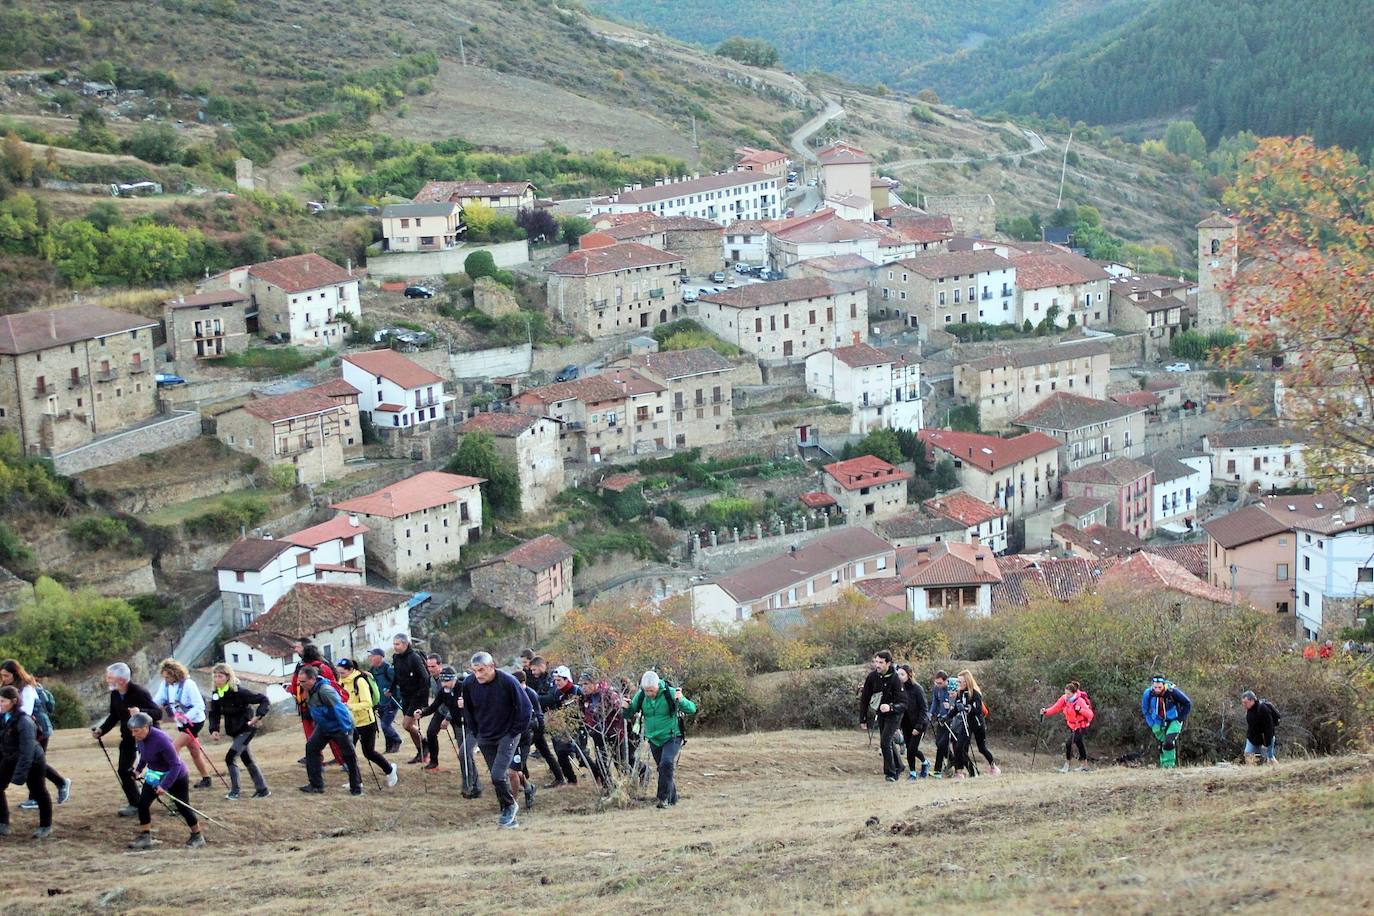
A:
[(350, 267), (922, 557), (975, 541), (267, 535), (52, 324), (978, 563), (353, 521), (1349, 513)]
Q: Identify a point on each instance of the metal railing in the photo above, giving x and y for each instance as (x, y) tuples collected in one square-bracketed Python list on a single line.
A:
[(107, 375)]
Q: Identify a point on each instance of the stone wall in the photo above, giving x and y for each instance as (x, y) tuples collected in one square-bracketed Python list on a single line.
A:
[(728, 555), (971, 214), (493, 299), (484, 364), (179, 427), (431, 263)]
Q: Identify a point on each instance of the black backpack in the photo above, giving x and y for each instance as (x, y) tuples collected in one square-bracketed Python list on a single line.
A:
[(1274, 710), (673, 708)]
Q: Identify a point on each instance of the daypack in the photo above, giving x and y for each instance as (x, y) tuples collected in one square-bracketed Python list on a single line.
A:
[(50, 702), (673, 708), (1272, 708), (1088, 701)]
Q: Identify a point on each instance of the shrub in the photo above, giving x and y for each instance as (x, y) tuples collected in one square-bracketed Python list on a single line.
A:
[(104, 532), (68, 710), (479, 264), (854, 628), (234, 513), (825, 699), (763, 649), (57, 629), (154, 609)]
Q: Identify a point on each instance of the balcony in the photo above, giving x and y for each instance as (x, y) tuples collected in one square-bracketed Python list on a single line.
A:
[(107, 375), (300, 448), (427, 402), (76, 381), (598, 303), (656, 293), (987, 295), (43, 390), (138, 368)]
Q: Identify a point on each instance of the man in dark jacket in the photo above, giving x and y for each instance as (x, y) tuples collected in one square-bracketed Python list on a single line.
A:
[(384, 676), (497, 712), (333, 722), (1261, 721), (126, 699), (882, 683), (538, 679), (412, 686)]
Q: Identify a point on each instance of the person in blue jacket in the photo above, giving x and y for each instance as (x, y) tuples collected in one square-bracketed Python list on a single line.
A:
[(333, 722), (1165, 709)]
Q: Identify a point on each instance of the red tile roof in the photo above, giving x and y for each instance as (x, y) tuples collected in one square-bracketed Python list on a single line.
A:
[(1037, 271), (817, 499), (26, 332), (1099, 540), (989, 453), (779, 291), (252, 554), (964, 508), (1192, 557), (289, 406), (498, 424), (864, 471), (826, 226), (422, 491), (312, 608), (841, 153), (839, 262), (1142, 399), (1116, 472), (631, 382), (936, 264), (611, 258), (210, 297), (1025, 579), (1346, 518), (591, 389), (619, 483), (828, 551), (858, 355), (1243, 526), (1065, 411), (748, 155), (539, 554), (454, 190), (676, 364), (1151, 572), (301, 272), (394, 367), (947, 563), (335, 388), (338, 527)]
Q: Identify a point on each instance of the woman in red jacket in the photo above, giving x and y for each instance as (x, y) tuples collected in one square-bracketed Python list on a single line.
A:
[(1078, 715), (310, 655)]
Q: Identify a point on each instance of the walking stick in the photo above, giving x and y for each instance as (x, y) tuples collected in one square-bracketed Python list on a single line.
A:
[(164, 796), (100, 740), (1039, 736), (461, 753), (370, 768)]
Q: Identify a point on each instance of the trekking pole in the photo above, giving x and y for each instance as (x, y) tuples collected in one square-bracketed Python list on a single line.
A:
[(100, 740), (201, 750), (1039, 736), (461, 751), (164, 796), (370, 768)]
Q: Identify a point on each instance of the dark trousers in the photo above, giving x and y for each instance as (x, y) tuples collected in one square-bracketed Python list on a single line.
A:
[(1075, 740), (436, 725), (888, 725), (912, 738), (467, 745), (522, 753), (128, 752), (308, 726), (386, 714), (566, 755), (314, 761), (498, 756), (541, 744), (238, 750), (365, 736), (979, 729), (180, 792), (665, 758), (35, 783), (941, 746)]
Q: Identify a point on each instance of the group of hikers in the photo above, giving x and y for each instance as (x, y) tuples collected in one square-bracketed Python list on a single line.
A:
[(484, 710), (894, 703)]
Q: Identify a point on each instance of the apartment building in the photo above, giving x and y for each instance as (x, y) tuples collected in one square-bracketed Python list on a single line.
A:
[(1006, 385), (1070, 286), (419, 523), (1261, 457), (394, 391), (700, 392), (71, 375), (617, 289), (531, 442), (787, 320), (722, 198), (1128, 487), (205, 326), (436, 226), (1182, 479), (1091, 430), (618, 412), (826, 234), (940, 288), (882, 388), (983, 523), (1335, 570), (1018, 474), (867, 489), (305, 298), (846, 171)]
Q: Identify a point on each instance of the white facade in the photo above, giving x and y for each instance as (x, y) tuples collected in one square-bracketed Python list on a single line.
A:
[(344, 641), (919, 609), (721, 198), (1264, 466), (881, 395), (1332, 567), (1176, 500), (390, 404), (746, 246), (785, 253), (251, 592), (1086, 301)]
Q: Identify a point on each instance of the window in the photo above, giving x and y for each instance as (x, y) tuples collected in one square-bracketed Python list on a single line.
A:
[(245, 602), (1307, 564), (1281, 572), (882, 563), (1365, 574)]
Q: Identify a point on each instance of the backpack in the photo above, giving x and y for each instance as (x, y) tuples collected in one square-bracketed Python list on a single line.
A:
[(50, 702), (1273, 711), (371, 685), (673, 708), (1088, 701)]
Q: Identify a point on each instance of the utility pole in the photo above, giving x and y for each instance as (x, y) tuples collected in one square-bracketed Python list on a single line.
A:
[(695, 145), (1233, 586)]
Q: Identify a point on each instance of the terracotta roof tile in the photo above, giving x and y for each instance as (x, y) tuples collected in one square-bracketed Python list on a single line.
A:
[(1082, 506), (758, 294), (1116, 471), (394, 367), (611, 258), (498, 423), (1243, 526), (619, 483), (948, 564), (293, 404), (964, 508), (817, 499), (676, 364), (338, 527), (422, 491), (936, 264), (25, 332), (916, 524), (312, 608), (1100, 540), (1052, 577), (1151, 571), (989, 453), (1141, 399), (252, 554), (335, 388), (826, 552), (591, 389), (858, 355), (825, 225), (209, 297), (864, 471), (1346, 518), (539, 554), (1020, 359), (1063, 411), (840, 262), (1192, 557), (841, 153), (301, 272)]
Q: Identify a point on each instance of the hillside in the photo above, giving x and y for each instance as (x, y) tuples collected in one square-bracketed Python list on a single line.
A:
[(829, 835)]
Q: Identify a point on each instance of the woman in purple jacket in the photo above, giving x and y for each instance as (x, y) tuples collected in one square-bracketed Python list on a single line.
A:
[(163, 774)]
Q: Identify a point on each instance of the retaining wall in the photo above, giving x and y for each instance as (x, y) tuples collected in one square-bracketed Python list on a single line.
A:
[(407, 264), (181, 426)]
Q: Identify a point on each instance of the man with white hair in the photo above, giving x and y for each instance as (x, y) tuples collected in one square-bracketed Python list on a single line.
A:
[(662, 708), (126, 699), (497, 712)]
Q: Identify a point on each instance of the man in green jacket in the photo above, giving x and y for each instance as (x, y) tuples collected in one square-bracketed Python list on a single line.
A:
[(661, 729)]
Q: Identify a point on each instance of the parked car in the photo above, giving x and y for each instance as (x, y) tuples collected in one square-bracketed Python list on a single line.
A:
[(718, 277), (742, 268), (314, 206), (276, 337), (811, 183), (791, 186), (168, 380), (1178, 367), (689, 295), (419, 292), (567, 374)]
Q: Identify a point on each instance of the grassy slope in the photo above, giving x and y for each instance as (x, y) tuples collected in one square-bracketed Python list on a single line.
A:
[(743, 840)]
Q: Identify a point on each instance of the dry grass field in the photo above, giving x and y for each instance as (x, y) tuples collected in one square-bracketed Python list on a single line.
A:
[(769, 822)]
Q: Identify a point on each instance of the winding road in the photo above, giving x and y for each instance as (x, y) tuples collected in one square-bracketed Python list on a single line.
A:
[(807, 130), (1037, 145)]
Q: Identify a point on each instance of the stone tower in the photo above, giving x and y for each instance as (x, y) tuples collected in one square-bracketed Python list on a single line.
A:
[(1218, 242)]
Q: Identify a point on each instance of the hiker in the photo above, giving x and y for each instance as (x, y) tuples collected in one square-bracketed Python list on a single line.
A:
[(1078, 715), (497, 712), (126, 700), (941, 705), (180, 696), (662, 709), (434, 670), (384, 676), (971, 698), (162, 773), (1261, 721), (33, 702), (522, 757), (602, 709), (446, 707), (915, 720), (540, 681), (526, 658), (959, 736), (563, 693), (240, 710), (21, 762), (311, 658), (362, 706), (411, 685), (882, 683), (1165, 709), (1326, 651), (332, 723)]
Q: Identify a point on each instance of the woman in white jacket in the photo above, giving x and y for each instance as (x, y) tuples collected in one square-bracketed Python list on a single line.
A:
[(180, 696)]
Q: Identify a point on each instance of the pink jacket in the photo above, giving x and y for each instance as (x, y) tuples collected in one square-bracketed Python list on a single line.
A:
[(1078, 711)]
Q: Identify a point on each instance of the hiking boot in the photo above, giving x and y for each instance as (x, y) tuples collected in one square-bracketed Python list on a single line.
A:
[(4, 829), (64, 791), (42, 833), (418, 758), (393, 777), (29, 805), (204, 783), (661, 804), (144, 841), (507, 820), (393, 748), (925, 769), (128, 811), (233, 795), (312, 790), (195, 840), (1065, 767), (357, 791), (889, 778), (529, 797), (555, 784), (432, 765), (264, 792), (995, 771)]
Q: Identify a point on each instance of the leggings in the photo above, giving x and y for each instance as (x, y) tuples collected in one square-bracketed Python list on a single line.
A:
[(179, 791), (980, 734), (912, 737), (239, 751), (1075, 739), (38, 789), (941, 747), (365, 736), (49, 773)]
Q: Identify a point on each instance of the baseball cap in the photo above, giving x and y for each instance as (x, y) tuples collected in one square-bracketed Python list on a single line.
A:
[(377, 652), (448, 673), (563, 672), (345, 663)]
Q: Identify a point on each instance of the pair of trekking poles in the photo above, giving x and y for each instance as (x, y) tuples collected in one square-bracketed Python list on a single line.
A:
[(161, 796)]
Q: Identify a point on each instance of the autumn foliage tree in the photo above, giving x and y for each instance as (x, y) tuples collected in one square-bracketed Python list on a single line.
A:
[(1306, 294)]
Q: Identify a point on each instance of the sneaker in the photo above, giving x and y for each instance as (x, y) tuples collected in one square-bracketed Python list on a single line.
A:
[(204, 783), (393, 777), (507, 820), (301, 762), (418, 758), (262, 793), (529, 797), (662, 804), (466, 793), (233, 795), (937, 775), (1084, 768), (128, 811), (1064, 768), (64, 791), (912, 777), (195, 840), (42, 833), (960, 775), (312, 790), (30, 805), (357, 791), (144, 841), (890, 778), (996, 770), (925, 770)]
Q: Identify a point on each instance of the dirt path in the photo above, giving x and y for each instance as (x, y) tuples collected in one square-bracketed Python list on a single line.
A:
[(1037, 146), (808, 130), (769, 822)]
